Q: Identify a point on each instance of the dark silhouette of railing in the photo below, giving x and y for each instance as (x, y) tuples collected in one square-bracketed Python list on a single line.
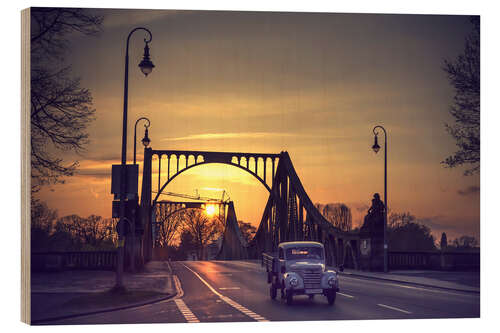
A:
[(87, 260)]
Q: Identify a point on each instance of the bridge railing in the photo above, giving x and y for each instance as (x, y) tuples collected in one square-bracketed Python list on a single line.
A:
[(85, 260), (434, 260)]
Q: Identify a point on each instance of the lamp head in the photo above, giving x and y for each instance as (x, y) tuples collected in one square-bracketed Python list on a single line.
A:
[(146, 141), (375, 146), (146, 64)]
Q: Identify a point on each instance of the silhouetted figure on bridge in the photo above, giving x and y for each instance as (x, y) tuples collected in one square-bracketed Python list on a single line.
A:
[(374, 220)]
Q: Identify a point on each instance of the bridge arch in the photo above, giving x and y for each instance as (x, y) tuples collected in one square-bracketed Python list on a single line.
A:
[(205, 163), (203, 158)]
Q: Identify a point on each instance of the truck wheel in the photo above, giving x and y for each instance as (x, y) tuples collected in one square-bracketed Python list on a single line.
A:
[(289, 297), (331, 295), (273, 291)]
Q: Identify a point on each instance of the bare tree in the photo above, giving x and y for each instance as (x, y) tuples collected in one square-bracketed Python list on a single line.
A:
[(60, 109), (464, 76), (396, 220), (170, 223), (338, 214), (203, 229), (42, 217)]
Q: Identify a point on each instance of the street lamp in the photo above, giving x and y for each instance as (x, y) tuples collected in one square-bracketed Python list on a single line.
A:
[(145, 141), (376, 148), (146, 67)]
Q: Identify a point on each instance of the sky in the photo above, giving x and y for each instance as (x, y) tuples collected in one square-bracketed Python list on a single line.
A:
[(311, 84)]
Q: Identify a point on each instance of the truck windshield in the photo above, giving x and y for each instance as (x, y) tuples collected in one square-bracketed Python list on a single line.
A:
[(304, 253)]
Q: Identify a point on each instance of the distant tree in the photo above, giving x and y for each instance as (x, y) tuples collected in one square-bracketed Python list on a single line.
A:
[(78, 233), (338, 214), (202, 228), (464, 76), (72, 232), (43, 220), (60, 109), (42, 217), (465, 242), (444, 241), (247, 230), (186, 245), (396, 220), (406, 234)]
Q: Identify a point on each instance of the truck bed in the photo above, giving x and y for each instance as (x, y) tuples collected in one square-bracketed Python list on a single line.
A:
[(269, 260)]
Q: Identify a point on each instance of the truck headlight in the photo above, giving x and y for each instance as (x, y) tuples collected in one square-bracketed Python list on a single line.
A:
[(294, 282), (331, 281)]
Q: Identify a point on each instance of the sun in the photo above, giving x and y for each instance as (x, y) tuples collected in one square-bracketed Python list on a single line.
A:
[(210, 210)]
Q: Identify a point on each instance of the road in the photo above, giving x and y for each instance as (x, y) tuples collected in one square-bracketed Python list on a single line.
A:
[(231, 291)]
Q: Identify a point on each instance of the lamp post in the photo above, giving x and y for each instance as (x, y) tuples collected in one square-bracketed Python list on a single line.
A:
[(145, 140), (146, 67), (376, 148)]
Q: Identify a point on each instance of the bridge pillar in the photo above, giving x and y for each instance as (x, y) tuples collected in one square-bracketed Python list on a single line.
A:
[(233, 245), (371, 249)]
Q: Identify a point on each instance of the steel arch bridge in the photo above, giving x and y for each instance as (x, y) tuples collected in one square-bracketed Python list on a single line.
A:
[(289, 213)]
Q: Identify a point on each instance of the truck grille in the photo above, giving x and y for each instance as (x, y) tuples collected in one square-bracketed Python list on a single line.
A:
[(312, 280)]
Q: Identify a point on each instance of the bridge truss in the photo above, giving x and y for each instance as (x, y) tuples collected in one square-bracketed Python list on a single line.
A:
[(289, 213)]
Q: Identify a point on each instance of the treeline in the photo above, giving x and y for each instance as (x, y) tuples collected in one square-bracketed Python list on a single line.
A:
[(69, 233), (404, 231)]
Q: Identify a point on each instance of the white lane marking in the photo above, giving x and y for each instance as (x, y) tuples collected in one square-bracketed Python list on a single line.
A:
[(345, 295), (229, 301), (188, 315), (229, 288), (393, 308)]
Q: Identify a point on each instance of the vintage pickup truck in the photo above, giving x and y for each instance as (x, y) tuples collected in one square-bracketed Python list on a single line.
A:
[(298, 268)]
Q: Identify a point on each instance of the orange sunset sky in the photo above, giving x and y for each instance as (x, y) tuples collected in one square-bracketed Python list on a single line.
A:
[(313, 84)]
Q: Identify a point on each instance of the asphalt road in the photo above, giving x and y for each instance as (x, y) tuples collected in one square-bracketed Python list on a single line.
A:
[(222, 291)]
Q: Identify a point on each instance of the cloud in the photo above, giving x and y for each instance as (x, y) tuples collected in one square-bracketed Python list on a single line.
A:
[(95, 173), (247, 135), (126, 17), (471, 190)]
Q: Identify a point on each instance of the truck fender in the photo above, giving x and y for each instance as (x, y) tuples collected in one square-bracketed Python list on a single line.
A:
[(326, 276), (288, 277)]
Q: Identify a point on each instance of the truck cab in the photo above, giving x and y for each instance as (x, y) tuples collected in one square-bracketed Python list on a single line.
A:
[(298, 268)]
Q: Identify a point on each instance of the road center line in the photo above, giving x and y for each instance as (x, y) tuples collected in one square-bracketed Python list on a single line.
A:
[(229, 288), (229, 301), (393, 308), (188, 315), (345, 295)]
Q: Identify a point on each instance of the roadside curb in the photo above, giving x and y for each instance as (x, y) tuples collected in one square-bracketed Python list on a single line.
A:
[(408, 283), (125, 307)]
